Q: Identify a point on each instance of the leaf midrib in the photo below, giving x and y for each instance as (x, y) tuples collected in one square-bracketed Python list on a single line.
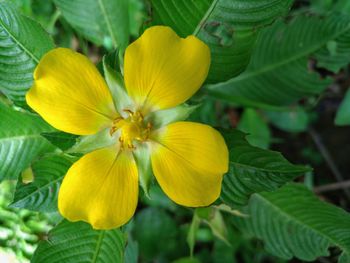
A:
[(246, 166), (107, 20), (98, 246), (285, 214), (205, 17), (272, 67), (17, 41)]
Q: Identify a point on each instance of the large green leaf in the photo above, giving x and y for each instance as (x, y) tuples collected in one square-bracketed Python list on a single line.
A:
[(41, 194), (229, 27), (22, 43), (253, 170), (293, 222), (101, 21), (79, 243), (282, 52), (20, 140)]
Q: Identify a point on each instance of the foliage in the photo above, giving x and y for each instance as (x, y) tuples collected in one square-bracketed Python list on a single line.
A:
[(272, 64)]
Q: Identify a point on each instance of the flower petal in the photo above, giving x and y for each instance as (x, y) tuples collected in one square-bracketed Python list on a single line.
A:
[(70, 94), (162, 70), (101, 189), (189, 160)]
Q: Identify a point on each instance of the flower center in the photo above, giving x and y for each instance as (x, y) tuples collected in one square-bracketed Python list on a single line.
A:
[(132, 129)]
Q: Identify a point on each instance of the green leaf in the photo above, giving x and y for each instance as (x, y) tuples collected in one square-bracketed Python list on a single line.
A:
[(100, 21), (282, 52), (229, 27), (293, 120), (253, 170), (22, 43), (20, 140), (41, 194), (258, 130), (79, 243), (61, 140), (343, 115), (292, 221)]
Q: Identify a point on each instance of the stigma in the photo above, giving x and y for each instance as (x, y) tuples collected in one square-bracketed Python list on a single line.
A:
[(132, 129)]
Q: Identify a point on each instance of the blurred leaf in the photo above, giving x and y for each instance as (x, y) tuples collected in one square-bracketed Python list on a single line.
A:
[(253, 170), (41, 194), (20, 140), (157, 198), (155, 232), (131, 251), (61, 140), (78, 242), (343, 115), (292, 221), (278, 73), (256, 127), (218, 226), (187, 260), (22, 43), (294, 120), (229, 27), (191, 236), (104, 22)]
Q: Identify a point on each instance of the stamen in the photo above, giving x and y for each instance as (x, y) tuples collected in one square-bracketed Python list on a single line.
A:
[(132, 129)]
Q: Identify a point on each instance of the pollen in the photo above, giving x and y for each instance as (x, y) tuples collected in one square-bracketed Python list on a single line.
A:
[(133, 128)]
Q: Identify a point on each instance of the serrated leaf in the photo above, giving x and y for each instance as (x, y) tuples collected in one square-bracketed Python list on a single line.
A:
[(100, 21), (292, 221), (253, 170), (229, 27), (20, 140), (343, 114), (41, 194), (79, 243), (22, 43), (61, 140), (283, 52)]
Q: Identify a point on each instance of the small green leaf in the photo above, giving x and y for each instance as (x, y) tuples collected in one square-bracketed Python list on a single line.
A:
[(20, 140), (22, 43), (253, 170), (101, 21), (41, 194), (143, 160), (256, 127), (62, 140), (116, 85), (78, 242), (89, 143), (292, 221), (192, 232), (162, 118), (343, 115)]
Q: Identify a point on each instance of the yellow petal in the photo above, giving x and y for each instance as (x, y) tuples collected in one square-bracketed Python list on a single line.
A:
[(189, 160), (70, 94), (162, 70), (101, 189)]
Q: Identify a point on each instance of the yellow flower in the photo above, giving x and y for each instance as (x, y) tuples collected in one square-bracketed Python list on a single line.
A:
[(161, 71)]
